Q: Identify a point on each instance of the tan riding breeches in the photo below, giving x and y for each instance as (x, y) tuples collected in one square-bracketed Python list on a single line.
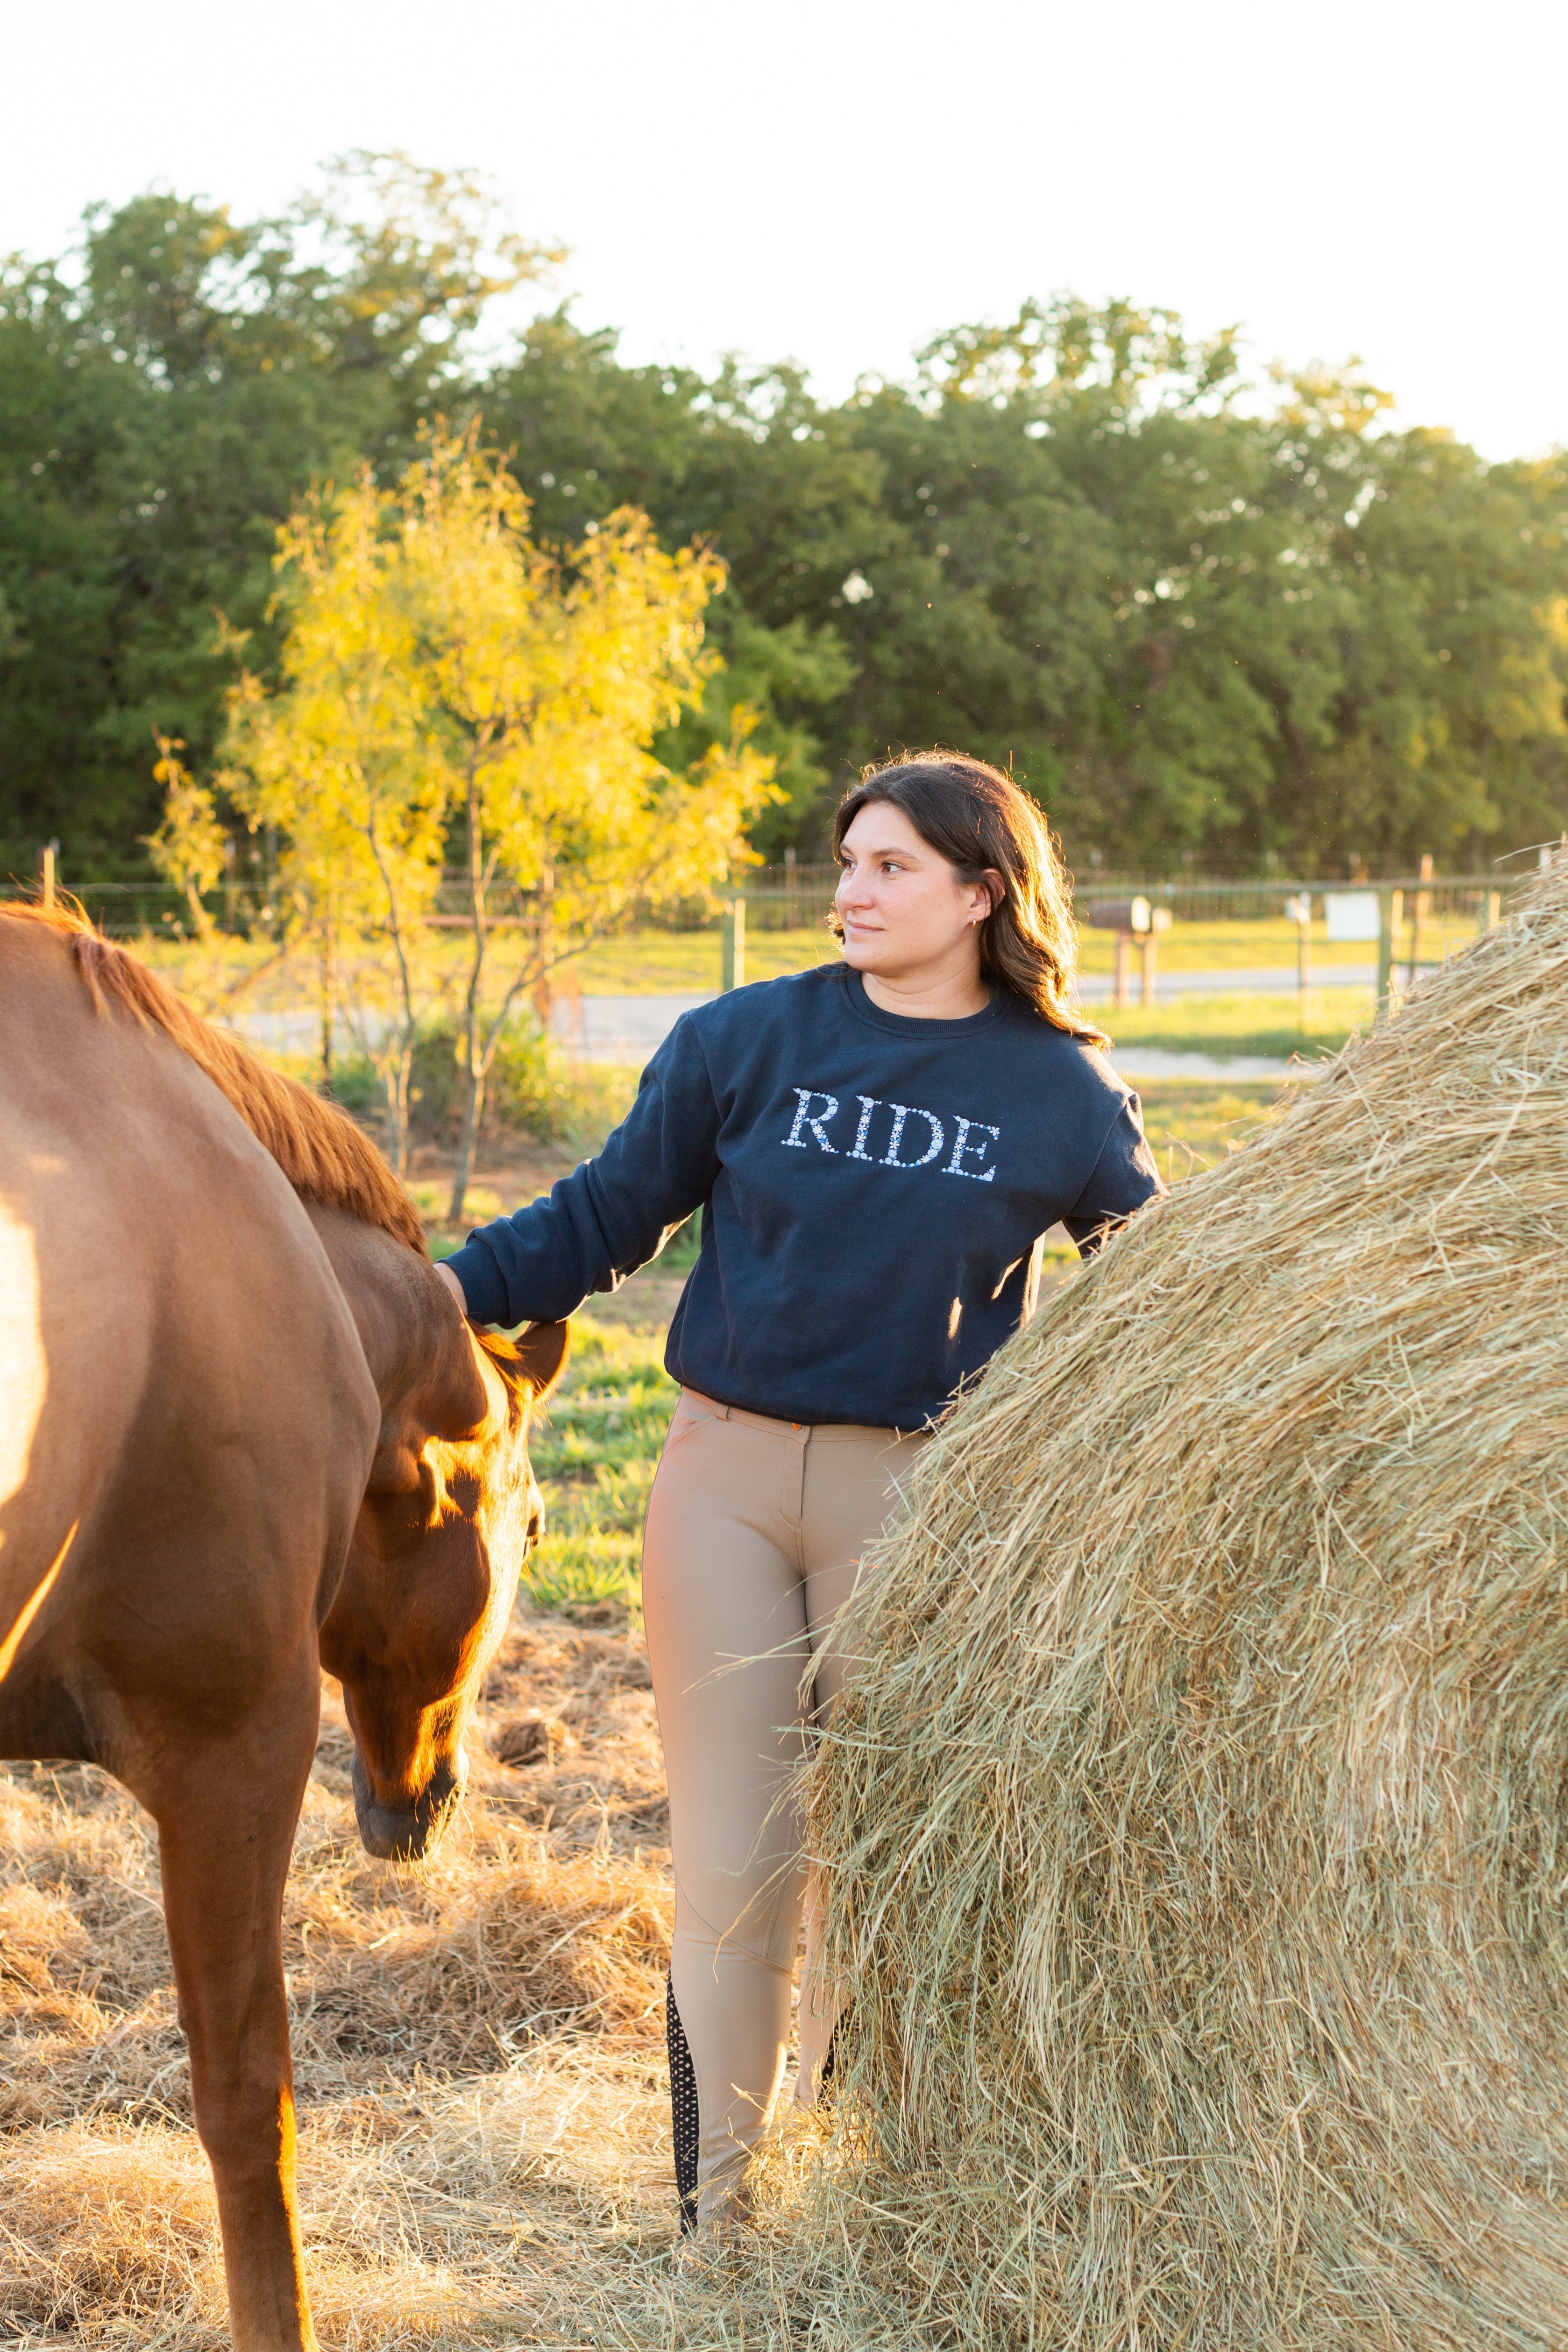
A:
[(752, 1545)]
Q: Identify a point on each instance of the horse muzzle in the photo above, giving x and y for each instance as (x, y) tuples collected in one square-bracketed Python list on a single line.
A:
[(406, 1834)]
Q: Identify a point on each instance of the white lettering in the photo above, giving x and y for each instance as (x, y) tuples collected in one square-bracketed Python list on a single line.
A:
[(962, 1149), (808, 1095), (900, 1111), (816, 1109), (868, 1103)]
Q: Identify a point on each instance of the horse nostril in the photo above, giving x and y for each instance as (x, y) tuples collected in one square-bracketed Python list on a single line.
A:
[(408, 1832)]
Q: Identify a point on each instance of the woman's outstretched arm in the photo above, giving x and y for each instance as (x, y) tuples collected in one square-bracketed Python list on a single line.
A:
[(612, 1214)]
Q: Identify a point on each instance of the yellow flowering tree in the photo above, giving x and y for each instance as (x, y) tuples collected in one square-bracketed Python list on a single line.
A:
[(454, 690), (189, 845), (339, 759)]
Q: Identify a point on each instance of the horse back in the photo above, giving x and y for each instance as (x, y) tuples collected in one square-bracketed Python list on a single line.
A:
[(186, 1419)]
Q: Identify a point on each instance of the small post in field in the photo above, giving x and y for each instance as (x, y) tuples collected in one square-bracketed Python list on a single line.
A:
[(1391, 917), (1134, 921), (1491, 910), (1423, 916), (734, 975), (1299, 910), (47, 857)]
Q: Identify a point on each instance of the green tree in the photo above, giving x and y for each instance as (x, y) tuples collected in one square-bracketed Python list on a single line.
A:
[(166, 397), (1204, 619)]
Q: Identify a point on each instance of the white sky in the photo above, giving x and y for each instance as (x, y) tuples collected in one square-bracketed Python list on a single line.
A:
[(835, 180)]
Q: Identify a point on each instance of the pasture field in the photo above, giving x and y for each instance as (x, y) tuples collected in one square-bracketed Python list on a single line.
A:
[(1277, 1026), (485, 2154), (648, 961), (684, 963)]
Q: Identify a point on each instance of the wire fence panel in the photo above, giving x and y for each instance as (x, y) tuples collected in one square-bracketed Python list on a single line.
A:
[(801, 897)]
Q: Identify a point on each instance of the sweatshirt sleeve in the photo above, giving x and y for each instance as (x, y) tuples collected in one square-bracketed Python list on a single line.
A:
[(1124, 1177), (612, 1214)]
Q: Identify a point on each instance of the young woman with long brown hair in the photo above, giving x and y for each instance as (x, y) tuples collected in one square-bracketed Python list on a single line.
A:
[(878, 1146)]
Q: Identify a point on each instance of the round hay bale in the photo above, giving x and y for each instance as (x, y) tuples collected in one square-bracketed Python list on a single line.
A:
[(1195, 1835)]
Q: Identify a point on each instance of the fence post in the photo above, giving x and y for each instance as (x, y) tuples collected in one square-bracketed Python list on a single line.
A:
[(1423, 916), (1389, 910), (47, 857), (1491, 910), (734, 973), (1300, 909)]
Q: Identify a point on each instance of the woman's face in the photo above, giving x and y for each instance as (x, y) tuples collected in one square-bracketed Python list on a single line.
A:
[(902, 907)]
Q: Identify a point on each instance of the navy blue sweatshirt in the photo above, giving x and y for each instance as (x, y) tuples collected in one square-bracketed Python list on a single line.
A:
[(873, 1187)]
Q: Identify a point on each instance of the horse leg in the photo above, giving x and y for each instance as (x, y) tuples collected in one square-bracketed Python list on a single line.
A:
[(225, 1824)]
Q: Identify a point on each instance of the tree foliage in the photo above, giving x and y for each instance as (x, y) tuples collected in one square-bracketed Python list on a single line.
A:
[(1204, 618), (450, 688)]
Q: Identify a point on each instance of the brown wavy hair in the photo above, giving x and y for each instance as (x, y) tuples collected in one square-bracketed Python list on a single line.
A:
[(978, 820)]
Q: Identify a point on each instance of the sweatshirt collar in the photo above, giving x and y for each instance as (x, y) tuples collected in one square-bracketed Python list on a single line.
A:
[(901, 1025)]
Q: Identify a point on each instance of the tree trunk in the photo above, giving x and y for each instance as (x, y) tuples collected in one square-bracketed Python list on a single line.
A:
[(544, 940), (327, 1008), (472, 1061), (473, 1110), (396, 1071)]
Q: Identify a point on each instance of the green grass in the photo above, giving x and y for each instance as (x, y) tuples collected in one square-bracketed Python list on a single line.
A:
[(685, 963), (1192, 1123), (594, 1457), (1273, 1025), (1220, 946)]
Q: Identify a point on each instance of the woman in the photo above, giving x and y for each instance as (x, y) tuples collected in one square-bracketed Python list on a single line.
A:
[(878, 1146)]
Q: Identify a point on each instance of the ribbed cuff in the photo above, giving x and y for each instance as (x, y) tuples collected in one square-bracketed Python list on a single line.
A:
[(484, 1287)]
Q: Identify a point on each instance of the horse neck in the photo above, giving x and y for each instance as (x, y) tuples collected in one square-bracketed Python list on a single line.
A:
[(421, 1353)]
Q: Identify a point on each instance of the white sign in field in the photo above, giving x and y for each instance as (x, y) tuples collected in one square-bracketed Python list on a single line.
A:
[(1352, 914)]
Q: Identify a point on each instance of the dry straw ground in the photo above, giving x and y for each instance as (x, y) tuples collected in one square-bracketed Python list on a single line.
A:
[(485, 2149), (1199, 1830)]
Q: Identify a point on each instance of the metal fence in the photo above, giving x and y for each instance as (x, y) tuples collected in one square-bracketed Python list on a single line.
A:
[(791, 898), (126, 910), (796, 897), (1198, 899)]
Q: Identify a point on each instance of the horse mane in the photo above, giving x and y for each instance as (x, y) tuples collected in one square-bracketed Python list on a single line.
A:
[(326, 1158)]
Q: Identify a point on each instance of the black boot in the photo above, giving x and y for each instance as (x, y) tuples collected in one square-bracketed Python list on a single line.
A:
[(684, 2125)]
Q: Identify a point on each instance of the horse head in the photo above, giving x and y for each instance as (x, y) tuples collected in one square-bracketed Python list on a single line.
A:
[(449, 1515)]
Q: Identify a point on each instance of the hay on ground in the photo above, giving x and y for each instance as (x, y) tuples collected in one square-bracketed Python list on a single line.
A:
[(478, 2044), (1196, 1835)]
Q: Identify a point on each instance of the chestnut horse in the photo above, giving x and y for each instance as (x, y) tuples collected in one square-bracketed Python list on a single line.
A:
[(244, 1432)]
